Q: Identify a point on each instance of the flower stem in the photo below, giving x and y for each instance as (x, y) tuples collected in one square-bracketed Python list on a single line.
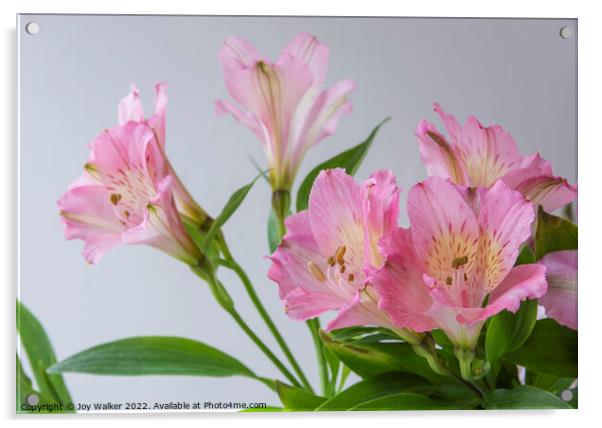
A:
[(465, 357), (233, 265), (314, 326), (224, 300)]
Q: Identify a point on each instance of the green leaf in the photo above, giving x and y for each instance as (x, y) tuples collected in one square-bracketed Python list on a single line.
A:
[(551, 349), (402, 401), (525, 256), (553, 384), (507, 331), (273, 235), (40, 355), (369, 360), (153, 355), (376, 387), (350, 160), (294, 398), (523, 397), (231, 206), (553, 234)]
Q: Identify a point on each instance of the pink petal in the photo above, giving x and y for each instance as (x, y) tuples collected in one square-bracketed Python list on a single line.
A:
[(88, 215), (130, 107), (381, 212), (237, 53), (303, 305), (360, 311), (452, 126), (487, 152), (561, 299), (320, 121), (336, 215), (540, 188), (306, 47), (244, 117), (444, 228), (523, 282), (438, 156), (505, 219), (158, 120), (404, 296), (289, 262), (162, 227)]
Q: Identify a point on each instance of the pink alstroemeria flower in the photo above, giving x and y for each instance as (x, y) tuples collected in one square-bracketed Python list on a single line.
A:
[(323, 261), (478, 156), (130, 110), (283, 102), (460, 250), (126, 194), (561, 299)]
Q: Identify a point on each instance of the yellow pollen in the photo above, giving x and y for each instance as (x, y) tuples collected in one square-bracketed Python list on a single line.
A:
[(315, 271), (331, 261), (340, 254)]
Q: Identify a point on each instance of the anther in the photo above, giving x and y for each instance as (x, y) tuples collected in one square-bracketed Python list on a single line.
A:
[(331, 261), (459, 261), (340, 254), (343, 269), (115, 198), (315, 271), (350, 277), (448, 280)]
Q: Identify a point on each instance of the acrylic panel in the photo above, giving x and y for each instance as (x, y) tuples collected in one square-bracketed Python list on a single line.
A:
[(444, 315)]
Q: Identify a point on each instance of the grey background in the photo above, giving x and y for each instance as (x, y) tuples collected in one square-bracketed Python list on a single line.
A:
[(516, 72)]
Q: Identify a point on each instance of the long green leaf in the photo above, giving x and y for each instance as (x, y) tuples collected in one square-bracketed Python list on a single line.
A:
[(554, 234), (350, 160), (553, 384), (294, 398), (524, 397), (402, 401), (153, 355), (551, 349), (40, 355), (231, 206), (369, 360), (376, 387)]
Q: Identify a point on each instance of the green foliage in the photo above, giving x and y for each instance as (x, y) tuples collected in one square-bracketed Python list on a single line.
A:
[(350, 160), (297, 399), (372, 359), (554, 234), (551, 349), (37, 346), (507, 331), (231, 206), (376, 387), (523, 397), (153, 355)]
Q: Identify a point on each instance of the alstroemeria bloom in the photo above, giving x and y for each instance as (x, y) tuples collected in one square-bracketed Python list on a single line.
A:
[(561, 299), (322, 263), (283, 102), (477, 156), (130, 109), (453, 268), (126, 196)]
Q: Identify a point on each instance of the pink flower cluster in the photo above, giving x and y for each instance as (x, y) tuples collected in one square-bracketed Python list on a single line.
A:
[(453, 268)]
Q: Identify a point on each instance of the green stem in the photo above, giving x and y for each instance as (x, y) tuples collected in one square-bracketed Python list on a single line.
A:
[(314, 326), (224, 300), (465, 357), (233, 265)]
